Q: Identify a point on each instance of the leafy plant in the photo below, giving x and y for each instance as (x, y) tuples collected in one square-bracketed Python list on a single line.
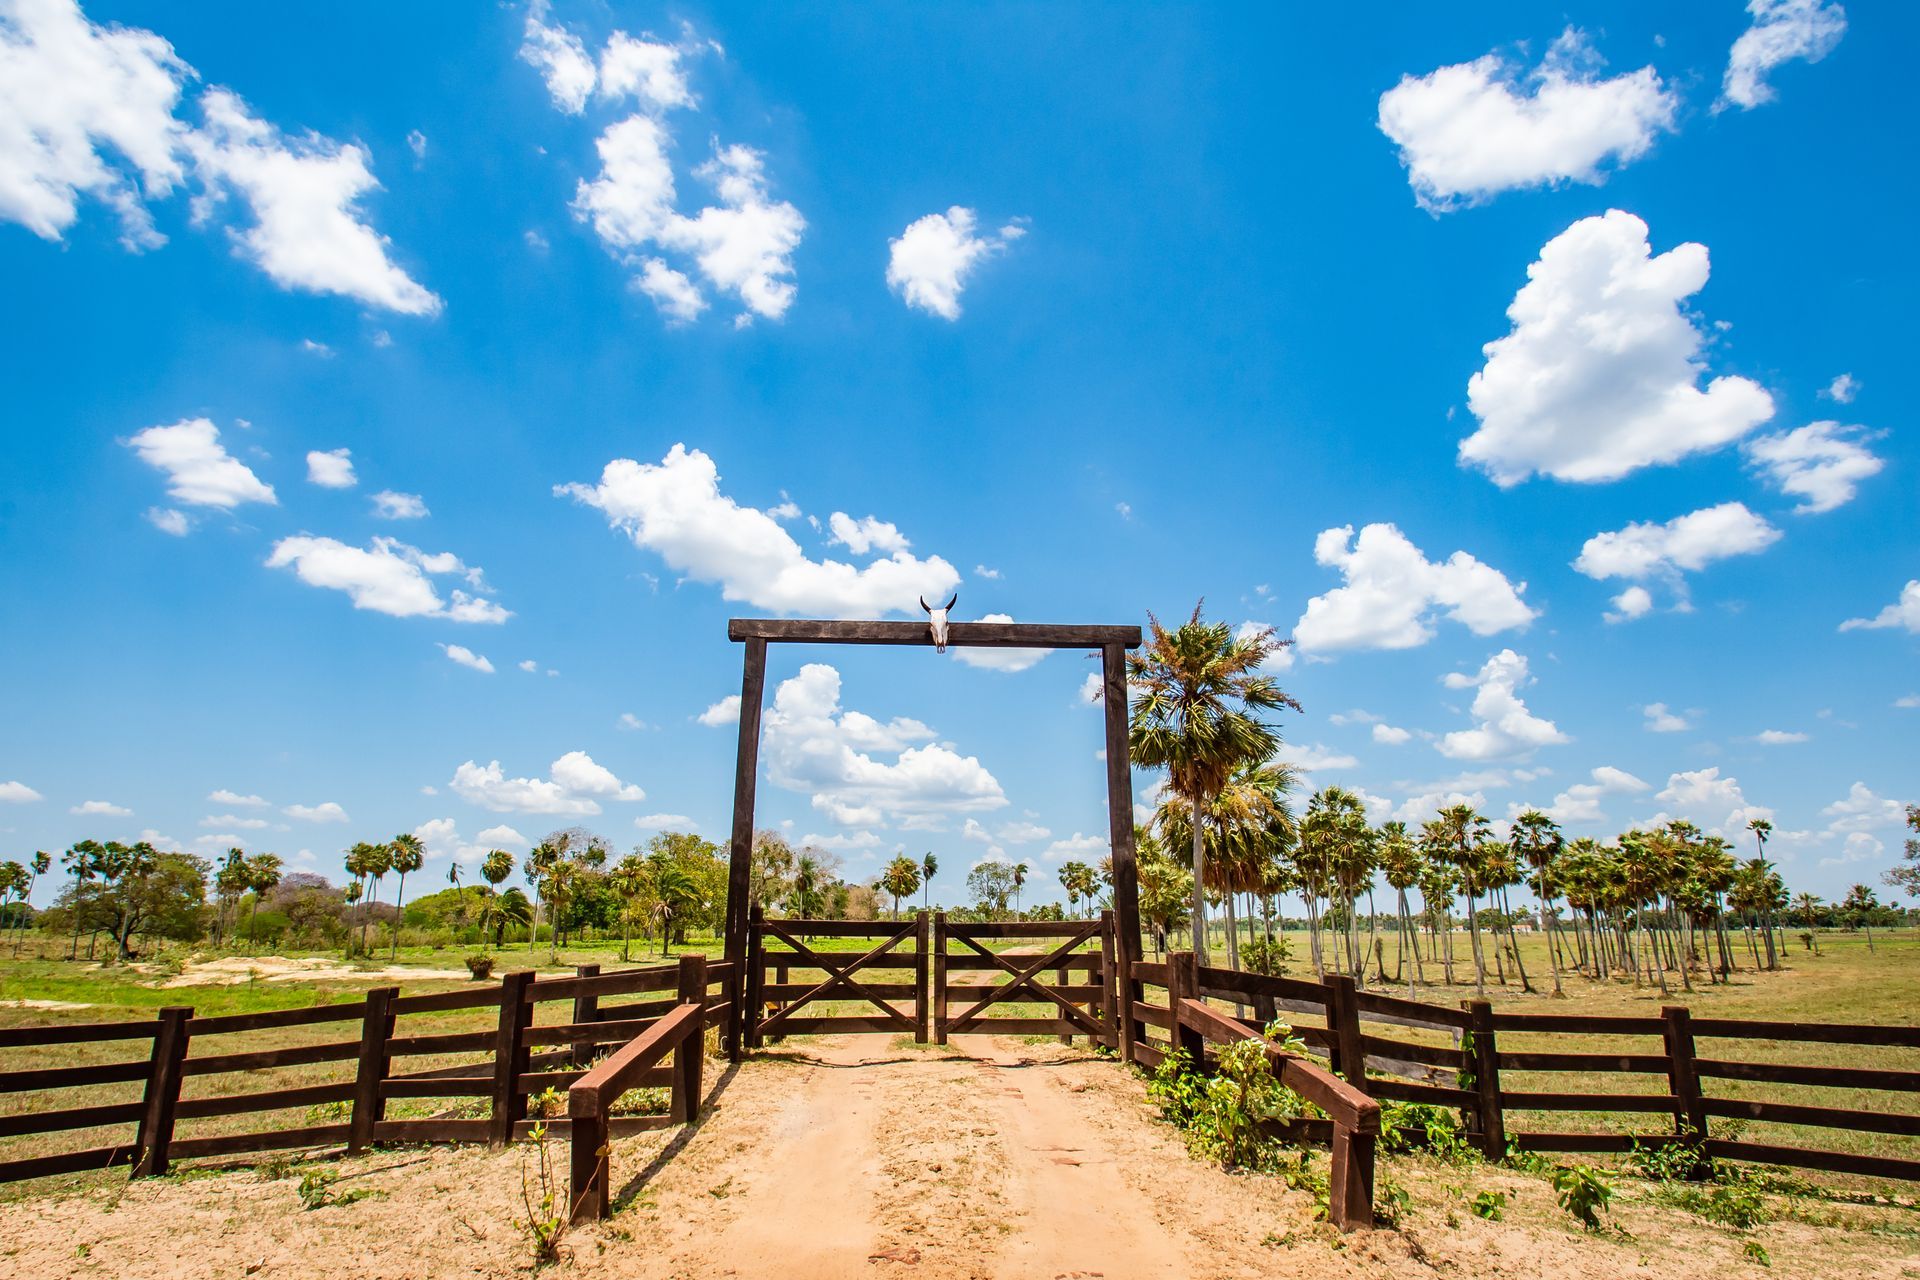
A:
[(316, 1190), (1225, 1117), (1491, 1205), (1757, 1252), (1584, 1192), (481, 967), (1666, 1161), (1266, 955), (1411, 1126), (1390, 1202), (1302, 1176), (540, 1191)]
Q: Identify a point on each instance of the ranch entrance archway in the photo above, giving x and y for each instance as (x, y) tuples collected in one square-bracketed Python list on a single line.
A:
[(1015, 976)]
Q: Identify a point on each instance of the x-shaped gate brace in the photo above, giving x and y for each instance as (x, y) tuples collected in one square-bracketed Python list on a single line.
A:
[(1023, 982), (841, 980)]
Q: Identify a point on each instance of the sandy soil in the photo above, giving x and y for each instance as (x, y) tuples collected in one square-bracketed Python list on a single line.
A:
[(849, 1156), (28, 1003), (233, 970)]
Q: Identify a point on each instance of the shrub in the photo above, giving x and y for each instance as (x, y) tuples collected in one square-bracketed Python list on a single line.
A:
[(541, 1192), (1410, 1126), (1584, 1192), (1266, 955), (1491, 1205), (481, 967), (1225, 1117)]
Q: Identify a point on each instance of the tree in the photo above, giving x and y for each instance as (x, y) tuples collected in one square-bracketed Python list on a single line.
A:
[(1196, 714), (901, 879), (1463, 832), (1020, 873), (408, 855), (229, 886), (1536, 840), (13, 884), (262, 872), (1808, 904), (82, 861), (807, 897), (1905, 878), (991, 884), (1860, 904), (37, 867), (498, 910), (459, 899), (540, 864), (630, 880), (928, 865)]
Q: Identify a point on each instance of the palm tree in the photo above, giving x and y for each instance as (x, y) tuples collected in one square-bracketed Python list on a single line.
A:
[(459, 898), (263, 872), (496, 866), (36, 868), (1020, 870), (13, 884), (540, 862), (1536, 839), (1400, 861), (806, 899), (83, 860), (1860, 904), (1247, 829), (229, 883), (498, 910), (1196, 715), (1808, 904), (677, 893), (408, 855), (630, 878), (928, 865), (900, 879), (1464, 832)]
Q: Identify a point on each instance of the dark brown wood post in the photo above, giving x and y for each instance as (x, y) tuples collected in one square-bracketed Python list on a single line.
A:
[(590, 1154), (585, 1009), (756, 978), (1350, 1190), (746, 771), (376, 1029), (1109, 980), (1343, 1020), (154, 1141), (1486, 1080), (1183, 983), (1690, 1107), (1064, 976), (939, 977), (922, 936), (691, 1052), (510, 1057), (1126, 877)]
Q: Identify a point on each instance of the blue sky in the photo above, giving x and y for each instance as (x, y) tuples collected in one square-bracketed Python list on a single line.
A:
[(622, 306)]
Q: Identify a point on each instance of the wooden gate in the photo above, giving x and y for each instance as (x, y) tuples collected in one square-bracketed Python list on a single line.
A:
[(790, 977), (971, 978)]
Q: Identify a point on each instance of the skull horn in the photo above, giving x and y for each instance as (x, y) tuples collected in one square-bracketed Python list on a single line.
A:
[(923, 603), (951, 600)]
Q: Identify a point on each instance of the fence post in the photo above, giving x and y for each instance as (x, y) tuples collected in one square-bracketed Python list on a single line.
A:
[(1183, 983), (509, 1057), (585, 1009), (376, 1029), (1108, 980), (1690, 1109), (691, 1052), (755, 986), (939, 977), (155, 1138), (590, 1154), (1343, 1021), (1350, 1186), (1064, 975), (1486, 1080), (922, 934)]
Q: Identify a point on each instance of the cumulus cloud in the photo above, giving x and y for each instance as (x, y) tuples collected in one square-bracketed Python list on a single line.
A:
[(576, 787), (331, 469), (1077, 846), (1862, 810), (1904, 612), (14, 792), (1822, 463), (724, 712), (864, 535), (200, 472), (1779, 737), (1782, 31), (234, 798), (929, 263), (1580, 803), (1700, 793), (235, 821), (100, 808), (1393, 594), (327, 811), (560, 58), (387, 577), (388, 505), (1391, 735), (675, 509), (167, 520), (1599, 375), (815, 747), (1666, 551), (1634, 602), (1469, 131), (309, 232), (1315, 757), (665, 822), (999, 659), (1505, 727), (466, 657), (1842, 389), (1661, 720), (502, 835)]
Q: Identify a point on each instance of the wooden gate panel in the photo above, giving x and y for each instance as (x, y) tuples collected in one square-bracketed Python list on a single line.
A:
[(887, 977), (1067, 969)]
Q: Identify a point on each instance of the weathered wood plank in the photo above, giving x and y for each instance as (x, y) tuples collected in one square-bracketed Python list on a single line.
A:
[(1830, 1161), (1794, 1073), (266, 1059), (1819, 1117), (228, 1144), (1003, 635), (236, 1104)]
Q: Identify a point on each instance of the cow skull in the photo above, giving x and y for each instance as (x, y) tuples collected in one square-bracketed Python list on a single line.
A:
[(937, 621)]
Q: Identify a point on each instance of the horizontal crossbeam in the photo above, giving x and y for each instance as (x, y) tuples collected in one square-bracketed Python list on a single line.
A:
[(988, 635)]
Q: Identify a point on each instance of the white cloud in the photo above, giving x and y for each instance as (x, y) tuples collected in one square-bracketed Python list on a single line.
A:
[(1469, 131), (1909, 702), (313, 348), (724, 712), (1857, 847), (1580, 803), (388, 505), (502, 835), (1665, 551), (576, 787), (387, 577), (84, 110), (166, 844), (100, 808), (1093, 691), (981, 571), (862, 536), (1505, 727), (234, 798), (308, 231), (1782, 30), (928, 264), (467, 657), (1700, 793), (972, 830), (675, 509), (1427, 804), (1393, 594), (1820, 463), (1842, 389), (1779, 737), (645, 70), (1634, 602), (813, 746), (529, 666), (560, 58), (1278, 659), (1077, 846), (167, 520), (417, 143), (1661, 720), (1390, 735), (235, 821), (1904, 612), (628, 720), (327, 811), (200, 472), (1310, 759), (1022, 832), (331, 469), (665, 822), (1599, 375), (743, 245), (842, 842), (999, 659), (1862, 810)]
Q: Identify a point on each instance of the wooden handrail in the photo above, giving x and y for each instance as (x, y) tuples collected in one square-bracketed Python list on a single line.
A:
[(615, 1074)]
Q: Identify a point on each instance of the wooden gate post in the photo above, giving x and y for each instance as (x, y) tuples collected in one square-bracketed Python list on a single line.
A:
[(1343, 1021), (1486, 1080), (753, 680), (922, 935), (1126, 876), (1109, 979), (376, 1029), (691, 1052), (1690, 1107), (586, 1008), (939, 977), (154, 1140), (510, 1057), (755, 987), (1183, 983)]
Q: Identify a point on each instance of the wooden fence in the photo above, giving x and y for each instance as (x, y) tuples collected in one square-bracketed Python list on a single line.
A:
[(522, 1057)]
